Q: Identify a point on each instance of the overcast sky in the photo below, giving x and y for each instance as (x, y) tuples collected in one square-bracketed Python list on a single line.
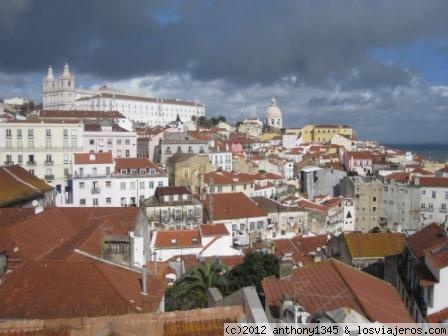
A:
[(380, 66)]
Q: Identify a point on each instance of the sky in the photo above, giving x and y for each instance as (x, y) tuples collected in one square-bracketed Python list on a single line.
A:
[(380, 66)]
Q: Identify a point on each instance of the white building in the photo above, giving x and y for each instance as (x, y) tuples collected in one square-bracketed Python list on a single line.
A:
[(273, 116), (221, 160), (209, 240), (62, 94), (109, 138), (99, 180)]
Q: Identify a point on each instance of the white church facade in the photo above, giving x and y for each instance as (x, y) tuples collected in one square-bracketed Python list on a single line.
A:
[(62, 94)]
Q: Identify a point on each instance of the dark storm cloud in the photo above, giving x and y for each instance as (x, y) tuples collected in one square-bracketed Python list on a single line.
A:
[(319, 42)]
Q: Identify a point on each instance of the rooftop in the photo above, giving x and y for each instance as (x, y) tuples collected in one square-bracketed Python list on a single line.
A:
[(93, 158), (42, 290), (233, 206), (17, 185), (331, 284), (374, 245), (177, 239)]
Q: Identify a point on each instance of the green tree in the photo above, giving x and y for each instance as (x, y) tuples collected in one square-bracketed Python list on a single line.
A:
[(190, 291), (256, 267), (375, 229)]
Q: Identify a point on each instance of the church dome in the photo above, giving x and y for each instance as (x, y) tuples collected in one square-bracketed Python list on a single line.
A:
[(273, 111)]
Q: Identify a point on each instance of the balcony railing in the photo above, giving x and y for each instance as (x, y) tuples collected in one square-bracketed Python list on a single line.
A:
[(442, 210), (49, 177), (49, 163), (31, 163), (96, 190), (8, 163)]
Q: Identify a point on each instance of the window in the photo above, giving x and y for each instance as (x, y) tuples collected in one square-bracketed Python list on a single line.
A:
[(127, 142), (48, 158), (127, 154), (109, 142), (151, 185), (123, 201), (92, 141), (122, 185), (95, 201), (118, 141), (81, 185), (19, 159), (82, 201), (66, 172), (30, 133), (142, 185), (108, 184), (423, 192), (107, 170), (446, 194), (433, 194), (65, 132), (48, 133), (19, 134), (108, 200), (160, 184), (8, 133), (132, 186), (66, 159), (430, 206)]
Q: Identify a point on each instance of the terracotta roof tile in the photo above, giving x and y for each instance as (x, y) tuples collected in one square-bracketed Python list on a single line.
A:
[(70, 289), (208, 230), (427, 237), (177, 239), (93, 158), (80, 114), (233, 206), (330, 284), (434, 182), (17, 184)]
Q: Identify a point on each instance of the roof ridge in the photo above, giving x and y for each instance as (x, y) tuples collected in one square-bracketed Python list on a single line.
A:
[(336, 263)]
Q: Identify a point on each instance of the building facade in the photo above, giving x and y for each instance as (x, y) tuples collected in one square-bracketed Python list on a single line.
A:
[(62, 94), (43, 147), (99, 180), (367, 193)]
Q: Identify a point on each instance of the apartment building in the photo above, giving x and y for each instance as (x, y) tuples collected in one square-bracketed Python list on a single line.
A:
[(109, 137), (173, 208), (173, 143), (367, 192), (42, 146), (101, 180)]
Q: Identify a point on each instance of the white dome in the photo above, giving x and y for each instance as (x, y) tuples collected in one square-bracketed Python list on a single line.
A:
[(273, 111)]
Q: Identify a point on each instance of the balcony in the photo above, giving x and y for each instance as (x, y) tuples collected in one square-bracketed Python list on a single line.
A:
[(96, 190), (31, 163), (49, 177), (49, 163), (426, 209), (442, 209), (8, 163)]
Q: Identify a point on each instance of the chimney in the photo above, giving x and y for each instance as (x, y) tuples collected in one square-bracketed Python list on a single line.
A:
[(144, 278)]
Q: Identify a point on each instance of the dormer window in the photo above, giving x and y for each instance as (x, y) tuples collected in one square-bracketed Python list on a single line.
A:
[(123, 171), (173, 241), (133, 171), (142, 171)]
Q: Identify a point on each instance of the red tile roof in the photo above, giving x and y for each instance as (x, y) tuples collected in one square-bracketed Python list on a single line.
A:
[(300, 247), (331, 284), (172, 190), (93, 158), (438, 255), (429, 236), (42, 290), (233, 206), (359, 155), (177, 239), (55, 233), (399, 177), (208, 230), (18, 185), (434, 182)]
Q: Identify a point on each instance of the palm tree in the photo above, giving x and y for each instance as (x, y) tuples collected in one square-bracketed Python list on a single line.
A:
[(190, 291)]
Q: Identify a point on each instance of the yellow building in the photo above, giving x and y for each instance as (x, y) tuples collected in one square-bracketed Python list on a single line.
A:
[(43, 147), (184, 170), (324, 133)]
